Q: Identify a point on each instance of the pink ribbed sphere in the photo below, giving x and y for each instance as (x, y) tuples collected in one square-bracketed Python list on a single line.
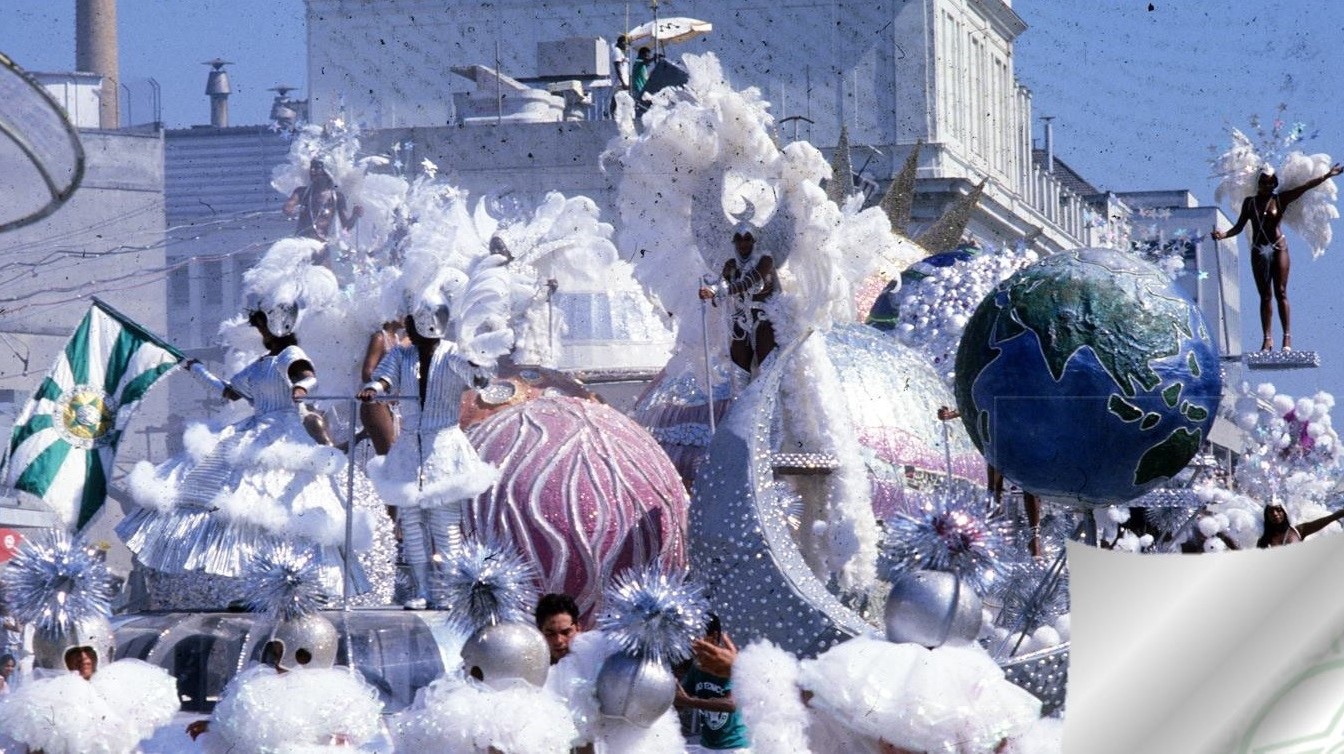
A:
[(584, 493)]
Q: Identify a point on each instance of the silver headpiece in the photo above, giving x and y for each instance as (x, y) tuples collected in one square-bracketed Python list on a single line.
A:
[(932, 608), (62, 587), (490, 589), (285, 583)]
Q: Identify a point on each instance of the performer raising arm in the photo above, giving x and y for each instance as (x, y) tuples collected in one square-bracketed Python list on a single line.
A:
[(1269, 257)]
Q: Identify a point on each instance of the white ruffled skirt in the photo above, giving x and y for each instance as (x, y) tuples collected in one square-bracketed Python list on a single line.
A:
[(236, 492), (431, 468)]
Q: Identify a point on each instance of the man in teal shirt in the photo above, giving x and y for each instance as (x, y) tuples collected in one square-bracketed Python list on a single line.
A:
[(707, 688)]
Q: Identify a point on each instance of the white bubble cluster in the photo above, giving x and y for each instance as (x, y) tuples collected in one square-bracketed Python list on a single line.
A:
[(934, 311)]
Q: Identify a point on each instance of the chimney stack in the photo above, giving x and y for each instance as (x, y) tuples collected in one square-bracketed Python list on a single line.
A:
[(217, 86), (1049, 143), (96, 52)]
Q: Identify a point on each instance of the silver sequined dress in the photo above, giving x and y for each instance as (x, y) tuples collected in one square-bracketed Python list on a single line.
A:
[(238, 489)]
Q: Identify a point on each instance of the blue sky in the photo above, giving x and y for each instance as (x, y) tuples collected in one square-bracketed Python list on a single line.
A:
[(1139, 95)]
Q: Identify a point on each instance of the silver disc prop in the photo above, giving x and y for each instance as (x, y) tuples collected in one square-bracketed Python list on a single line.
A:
[(755, 575), (41, 158), (744, 553)]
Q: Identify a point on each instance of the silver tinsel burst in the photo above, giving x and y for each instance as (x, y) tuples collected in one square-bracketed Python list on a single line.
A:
[(55, 581), (653, 613), (285, 583), (487, 582), (962, 535), (1030, 599)]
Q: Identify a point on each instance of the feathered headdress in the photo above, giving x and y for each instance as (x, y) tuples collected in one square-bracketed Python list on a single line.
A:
[(286, 280), (1239, 168)]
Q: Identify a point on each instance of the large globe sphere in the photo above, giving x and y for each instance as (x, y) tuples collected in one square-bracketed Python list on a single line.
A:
[(1088, 377), (584, 493)]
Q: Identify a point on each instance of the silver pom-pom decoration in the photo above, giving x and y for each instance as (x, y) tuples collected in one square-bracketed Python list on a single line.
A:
[(55, 582), (654, 614), (1034, 594), (961, 536), (285, 583), (487, 582)]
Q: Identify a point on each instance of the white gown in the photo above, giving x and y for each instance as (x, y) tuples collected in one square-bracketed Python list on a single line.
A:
[(235, 491)]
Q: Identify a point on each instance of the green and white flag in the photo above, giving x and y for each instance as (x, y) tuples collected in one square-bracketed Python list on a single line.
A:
[(65, 439)]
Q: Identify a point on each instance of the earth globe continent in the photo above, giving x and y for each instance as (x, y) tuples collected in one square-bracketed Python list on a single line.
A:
[(1088, 377)]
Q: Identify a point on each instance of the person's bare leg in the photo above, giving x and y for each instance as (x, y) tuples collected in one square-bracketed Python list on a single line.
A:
[(1260, 271), (1279, 274)]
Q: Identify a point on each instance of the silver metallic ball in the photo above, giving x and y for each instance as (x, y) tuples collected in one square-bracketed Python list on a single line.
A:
[(634, 689), (932, 608), (311, 633), (507, 653), (94, 632)]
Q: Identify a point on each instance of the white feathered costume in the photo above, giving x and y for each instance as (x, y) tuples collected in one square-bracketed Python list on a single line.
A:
[(866, 691), (237, 489), (1239, 168), (111, 713)]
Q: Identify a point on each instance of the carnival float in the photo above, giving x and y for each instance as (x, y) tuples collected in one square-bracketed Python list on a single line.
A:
[(794, 469)]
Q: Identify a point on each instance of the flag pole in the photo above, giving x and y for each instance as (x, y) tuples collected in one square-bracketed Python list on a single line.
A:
[(139, 329)]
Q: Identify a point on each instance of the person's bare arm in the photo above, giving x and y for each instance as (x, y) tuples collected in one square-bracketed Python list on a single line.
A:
[(1246, 209), (291, 207), (1293, 194), (373, 354), (1311, 527)]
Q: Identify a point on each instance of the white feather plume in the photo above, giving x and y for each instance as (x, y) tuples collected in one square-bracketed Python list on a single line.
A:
[(1310, 215), (765, 685), (1237, 169)]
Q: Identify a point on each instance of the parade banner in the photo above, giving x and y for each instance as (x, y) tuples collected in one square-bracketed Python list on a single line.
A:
[(64, 441)]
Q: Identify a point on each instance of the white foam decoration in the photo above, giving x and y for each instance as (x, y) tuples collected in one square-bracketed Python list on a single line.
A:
[(851, 535), (122, 705), (460, 716), (261, 710), (1292, 458), (945, 699), (765, 686)]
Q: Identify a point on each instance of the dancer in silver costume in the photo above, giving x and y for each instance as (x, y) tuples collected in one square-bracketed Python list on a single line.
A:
[(431, 470), (242, 488)]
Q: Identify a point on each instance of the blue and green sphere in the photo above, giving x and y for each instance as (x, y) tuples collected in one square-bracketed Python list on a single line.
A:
[(1088, 377)]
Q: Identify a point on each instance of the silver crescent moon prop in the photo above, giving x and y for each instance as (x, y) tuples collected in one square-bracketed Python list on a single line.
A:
[(741, 546)]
